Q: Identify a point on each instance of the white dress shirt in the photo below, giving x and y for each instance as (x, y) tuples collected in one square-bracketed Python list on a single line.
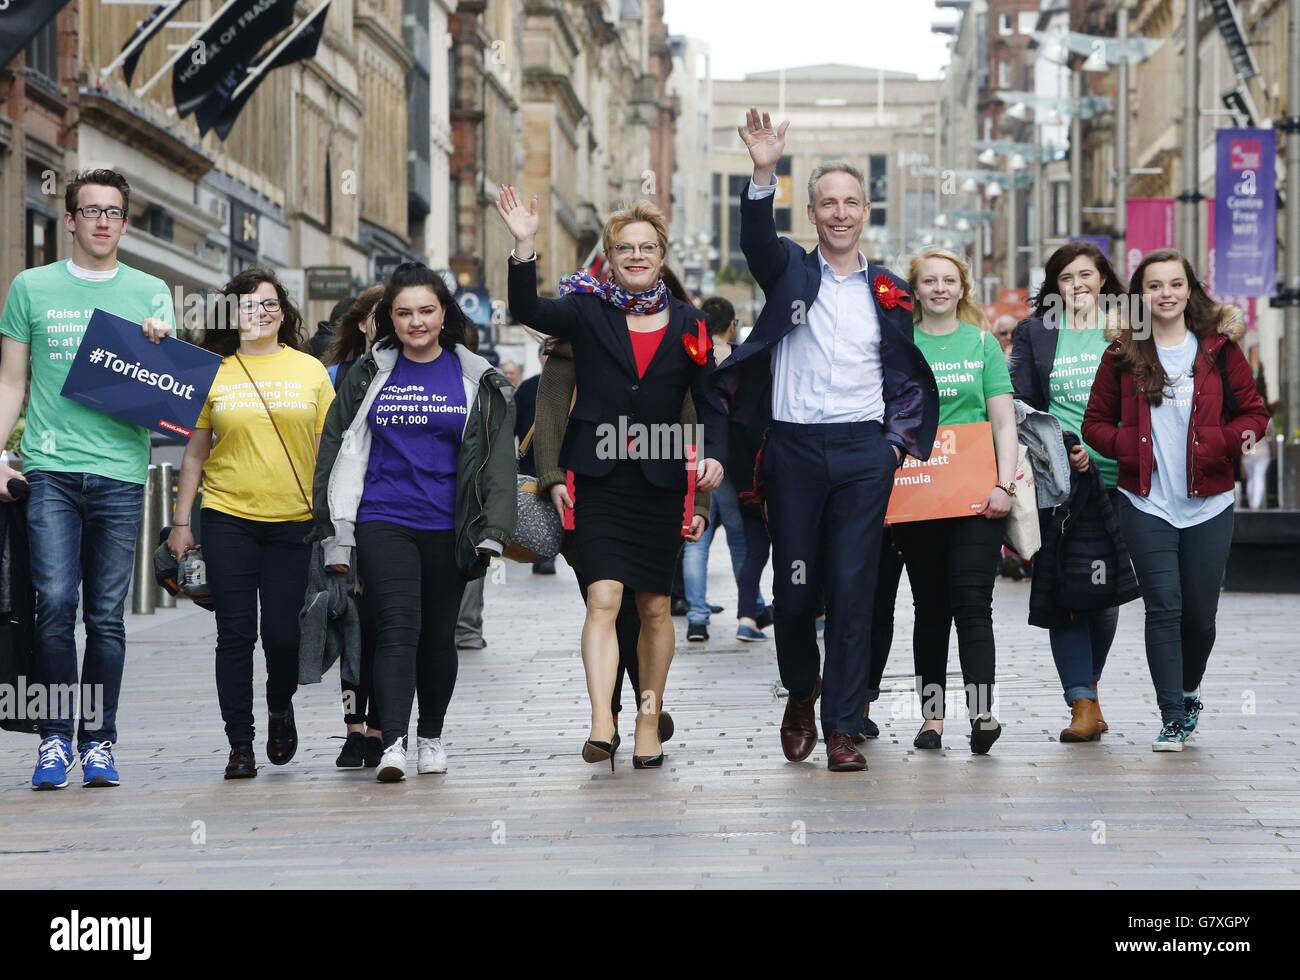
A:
[(827, 369)]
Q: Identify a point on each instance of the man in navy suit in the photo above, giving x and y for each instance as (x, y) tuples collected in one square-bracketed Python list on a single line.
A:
[(831, 372)]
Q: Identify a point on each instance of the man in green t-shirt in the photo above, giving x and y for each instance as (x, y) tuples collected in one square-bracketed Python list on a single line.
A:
[(84, 470)]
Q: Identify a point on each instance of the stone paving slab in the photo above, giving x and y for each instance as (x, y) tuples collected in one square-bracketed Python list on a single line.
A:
[(520, 808)]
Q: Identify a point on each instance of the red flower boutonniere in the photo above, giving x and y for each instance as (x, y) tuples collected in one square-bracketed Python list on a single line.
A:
[(698, 346), (890, 295)]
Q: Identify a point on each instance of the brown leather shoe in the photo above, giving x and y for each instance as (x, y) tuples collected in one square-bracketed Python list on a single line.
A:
[(1100, 719), (1085, 722), (799, 726), (841, 756)]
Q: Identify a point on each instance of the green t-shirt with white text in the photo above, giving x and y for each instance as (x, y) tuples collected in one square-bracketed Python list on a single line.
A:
[(1078, 353), (969, 368), (48, 309)]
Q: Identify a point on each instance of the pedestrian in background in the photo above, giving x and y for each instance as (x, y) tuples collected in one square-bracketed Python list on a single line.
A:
[(725, 511), (952, 562), (1055, 357), (363, 743), (637, 351), (417, 475), (1175, 403)]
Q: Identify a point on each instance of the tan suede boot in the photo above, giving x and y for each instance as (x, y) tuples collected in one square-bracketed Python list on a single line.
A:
[(1100, 719), (1084, 722)]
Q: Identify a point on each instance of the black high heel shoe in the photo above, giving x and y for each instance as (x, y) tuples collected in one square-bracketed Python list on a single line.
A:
[(649, 761), (593, 751)]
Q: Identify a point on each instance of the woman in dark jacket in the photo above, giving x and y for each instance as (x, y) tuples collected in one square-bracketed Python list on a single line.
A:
[(1175, 403), (554, 396), (637, 351), (416, 473), (1054, 358)]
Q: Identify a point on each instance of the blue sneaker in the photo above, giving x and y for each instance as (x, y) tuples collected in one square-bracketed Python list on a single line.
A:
[(1171, 737), (1194, 709), (97, 768), (749, 634), (52, 761)]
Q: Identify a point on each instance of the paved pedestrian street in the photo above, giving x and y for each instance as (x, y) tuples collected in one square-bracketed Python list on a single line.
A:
[(520, 808)]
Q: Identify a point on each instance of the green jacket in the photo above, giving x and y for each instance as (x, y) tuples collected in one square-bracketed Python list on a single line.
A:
[(486, 506)]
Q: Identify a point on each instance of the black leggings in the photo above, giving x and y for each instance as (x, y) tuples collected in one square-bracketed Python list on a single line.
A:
[(628, 628), (951, 565), (359, 698), (412, 593), (247, 559)]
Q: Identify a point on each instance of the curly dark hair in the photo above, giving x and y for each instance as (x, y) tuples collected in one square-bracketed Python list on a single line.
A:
[(221, 335), (349, 341), (455, 325), (1049, 298)]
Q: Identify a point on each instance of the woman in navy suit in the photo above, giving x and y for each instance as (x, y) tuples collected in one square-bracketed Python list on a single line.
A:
[(637, 351)]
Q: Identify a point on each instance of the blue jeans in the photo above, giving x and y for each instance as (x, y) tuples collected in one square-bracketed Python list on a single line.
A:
[(1080, 650), (724, 506), (81, 530)]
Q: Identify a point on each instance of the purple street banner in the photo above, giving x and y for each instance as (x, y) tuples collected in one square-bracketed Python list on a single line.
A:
[(1245, 212), (22, 20), (1149, 224), (121, 373), (1103, 242), (1246, 304)]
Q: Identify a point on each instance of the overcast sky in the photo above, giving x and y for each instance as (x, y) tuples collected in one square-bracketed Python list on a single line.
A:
[(760, 35)]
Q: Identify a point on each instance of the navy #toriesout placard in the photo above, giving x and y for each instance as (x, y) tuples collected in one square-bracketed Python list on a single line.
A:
[(119, 372)]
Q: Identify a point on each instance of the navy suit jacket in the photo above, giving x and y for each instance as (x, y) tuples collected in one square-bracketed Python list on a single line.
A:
[(609, 388), (790, 279)]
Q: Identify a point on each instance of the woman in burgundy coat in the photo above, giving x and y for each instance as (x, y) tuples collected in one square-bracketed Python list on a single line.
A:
[(1175, 403)]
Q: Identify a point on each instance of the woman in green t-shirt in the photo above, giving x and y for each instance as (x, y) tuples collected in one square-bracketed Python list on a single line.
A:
[(1054, 358), (952, 562)]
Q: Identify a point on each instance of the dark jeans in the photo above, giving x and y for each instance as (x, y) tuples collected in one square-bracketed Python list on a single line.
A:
[(627, 626), (888, 573), (827, 486), (757, 544), (247, 560), (951, 565), (81, 531), (360, 697), (1080, 650), (1180, 571), (413, 591)]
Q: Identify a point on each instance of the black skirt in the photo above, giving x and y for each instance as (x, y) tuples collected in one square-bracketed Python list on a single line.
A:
[(627, 529)]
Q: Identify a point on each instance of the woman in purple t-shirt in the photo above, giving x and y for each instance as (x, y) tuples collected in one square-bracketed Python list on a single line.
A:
[(417, 470)]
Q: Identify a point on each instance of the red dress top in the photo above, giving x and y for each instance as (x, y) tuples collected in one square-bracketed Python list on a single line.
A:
[(644, 345)]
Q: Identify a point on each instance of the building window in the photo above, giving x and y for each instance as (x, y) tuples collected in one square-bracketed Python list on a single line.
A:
[(736, 185), (1004, 25), (42, 245), (1004, 74), (1028, 21), (1060, 208), (43, 52)]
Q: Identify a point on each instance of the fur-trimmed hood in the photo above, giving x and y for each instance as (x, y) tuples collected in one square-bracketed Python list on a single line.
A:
[(1232, 323)]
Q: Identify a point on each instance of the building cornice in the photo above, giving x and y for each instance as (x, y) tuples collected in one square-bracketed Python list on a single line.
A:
[(125, 124), (378, 31), (544, 82)]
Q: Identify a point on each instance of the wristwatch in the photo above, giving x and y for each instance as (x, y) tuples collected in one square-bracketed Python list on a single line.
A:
[(1008, 488)]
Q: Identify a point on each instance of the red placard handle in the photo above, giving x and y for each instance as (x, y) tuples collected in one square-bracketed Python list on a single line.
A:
[(688, 513)]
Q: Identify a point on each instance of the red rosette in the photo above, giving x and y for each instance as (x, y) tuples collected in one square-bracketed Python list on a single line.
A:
[(889, 295)]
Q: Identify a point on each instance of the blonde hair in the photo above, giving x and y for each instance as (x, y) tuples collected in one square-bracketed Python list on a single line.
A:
[(631, 214), (968, 311)]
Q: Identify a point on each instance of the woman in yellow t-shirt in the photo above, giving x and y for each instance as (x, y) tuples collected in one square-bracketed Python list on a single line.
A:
[(254, 447)]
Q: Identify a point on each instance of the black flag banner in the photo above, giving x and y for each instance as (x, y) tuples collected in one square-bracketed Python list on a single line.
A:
[(229, 42), (143, 34), (20, 20), (299, 45)]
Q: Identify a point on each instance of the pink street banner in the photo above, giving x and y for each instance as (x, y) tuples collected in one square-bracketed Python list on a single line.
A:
[(1149, 224)]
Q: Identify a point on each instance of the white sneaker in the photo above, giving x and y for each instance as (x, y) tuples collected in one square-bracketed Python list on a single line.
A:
[(392, 765), (432, 757)]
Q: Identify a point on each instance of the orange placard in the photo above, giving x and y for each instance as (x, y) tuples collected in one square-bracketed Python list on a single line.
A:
[(953, 482)]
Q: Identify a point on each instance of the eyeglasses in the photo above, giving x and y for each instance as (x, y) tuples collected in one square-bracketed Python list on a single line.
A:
[(649, 249), (92, 213), (249, 307)]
